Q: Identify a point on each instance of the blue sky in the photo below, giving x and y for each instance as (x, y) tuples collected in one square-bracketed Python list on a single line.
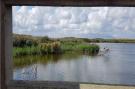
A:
[(89, 22)]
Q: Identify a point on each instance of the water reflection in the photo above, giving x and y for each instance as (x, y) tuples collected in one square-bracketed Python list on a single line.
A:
[(24, 61), (115, 68)]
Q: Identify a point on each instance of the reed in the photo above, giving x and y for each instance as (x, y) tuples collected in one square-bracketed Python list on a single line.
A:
[(41, 49), (83, 47), (29, 45), (56, 48), (21, 51)]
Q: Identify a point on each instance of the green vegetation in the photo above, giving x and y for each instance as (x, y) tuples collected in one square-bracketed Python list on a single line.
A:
[(41, 49), (21, 51), (32, 45), (29, 45), (100, 40), (49, 48), (81, 47), (24, 40), (97, 40)]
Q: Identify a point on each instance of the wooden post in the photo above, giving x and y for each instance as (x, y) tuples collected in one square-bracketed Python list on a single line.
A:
[(8, 43), (2, 47)]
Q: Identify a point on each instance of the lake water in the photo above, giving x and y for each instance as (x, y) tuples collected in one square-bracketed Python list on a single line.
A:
[(115, 67)]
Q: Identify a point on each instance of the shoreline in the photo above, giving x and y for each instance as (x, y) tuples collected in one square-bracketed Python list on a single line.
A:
[(96, 86)]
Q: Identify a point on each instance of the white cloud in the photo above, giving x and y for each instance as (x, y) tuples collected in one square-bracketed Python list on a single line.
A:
[(75, 21)]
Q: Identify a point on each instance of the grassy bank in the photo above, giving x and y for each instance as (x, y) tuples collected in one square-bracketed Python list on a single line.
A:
[(30, 45), (83, 47), (56, 48), (21, 51)]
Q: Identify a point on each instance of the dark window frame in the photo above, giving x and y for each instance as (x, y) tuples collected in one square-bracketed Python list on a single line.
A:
[(6, 81)]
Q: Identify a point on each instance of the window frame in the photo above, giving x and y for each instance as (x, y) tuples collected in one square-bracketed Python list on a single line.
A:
[(6, 65)]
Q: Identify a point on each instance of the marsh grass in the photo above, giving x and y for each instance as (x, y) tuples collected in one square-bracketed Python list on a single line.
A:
[(41, 49), (29, 45), (56, 48), (84, 47), (21, 51)]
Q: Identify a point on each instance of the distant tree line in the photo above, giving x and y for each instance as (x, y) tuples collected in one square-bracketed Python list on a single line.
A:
[(28, 40)]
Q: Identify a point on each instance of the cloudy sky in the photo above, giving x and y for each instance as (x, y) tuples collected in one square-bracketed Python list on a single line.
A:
[(90, 22)]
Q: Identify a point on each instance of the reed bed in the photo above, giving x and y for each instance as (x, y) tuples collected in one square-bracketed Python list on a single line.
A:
[(29, 45), (56, 48)]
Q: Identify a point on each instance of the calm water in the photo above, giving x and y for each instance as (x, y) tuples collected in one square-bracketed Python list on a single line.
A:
[(116, 67)]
